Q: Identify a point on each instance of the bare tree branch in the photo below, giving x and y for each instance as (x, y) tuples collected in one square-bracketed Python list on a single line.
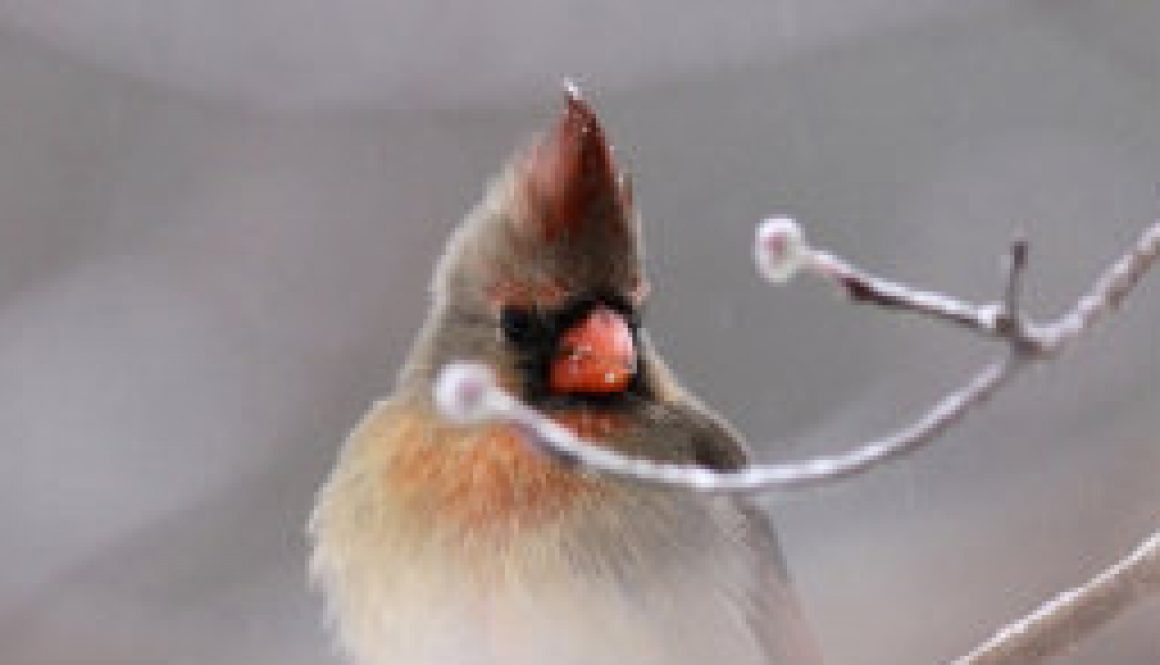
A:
[(468, 392), (1105, 295), (1060, 623)]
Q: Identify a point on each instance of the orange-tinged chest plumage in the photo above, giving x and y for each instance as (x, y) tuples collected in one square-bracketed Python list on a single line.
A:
[(487, 482)]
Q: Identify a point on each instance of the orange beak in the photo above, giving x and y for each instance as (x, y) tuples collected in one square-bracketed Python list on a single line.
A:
[(597, 355)]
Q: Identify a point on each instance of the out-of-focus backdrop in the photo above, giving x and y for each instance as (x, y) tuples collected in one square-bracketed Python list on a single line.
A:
[(217, 222)]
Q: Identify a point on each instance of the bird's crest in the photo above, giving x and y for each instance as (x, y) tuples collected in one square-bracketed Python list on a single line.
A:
[(569, 181)]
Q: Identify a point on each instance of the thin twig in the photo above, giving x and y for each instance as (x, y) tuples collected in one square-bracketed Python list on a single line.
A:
[(864, 288), (1011, 323), (1106, 295), (466, 391), (1060, 623)]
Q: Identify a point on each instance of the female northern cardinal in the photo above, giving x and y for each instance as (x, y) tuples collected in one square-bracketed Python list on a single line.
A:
[(459, 544)]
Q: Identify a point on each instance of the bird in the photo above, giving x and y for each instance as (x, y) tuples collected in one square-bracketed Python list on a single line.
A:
[(451, 543)]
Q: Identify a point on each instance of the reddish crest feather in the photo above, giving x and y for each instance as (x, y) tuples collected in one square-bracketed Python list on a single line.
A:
[(571, 182)]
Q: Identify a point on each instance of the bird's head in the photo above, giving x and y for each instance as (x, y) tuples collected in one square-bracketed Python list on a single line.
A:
[(543, 281)]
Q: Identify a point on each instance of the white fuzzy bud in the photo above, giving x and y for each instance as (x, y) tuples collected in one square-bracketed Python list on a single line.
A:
[(464, 392), (780, 248)]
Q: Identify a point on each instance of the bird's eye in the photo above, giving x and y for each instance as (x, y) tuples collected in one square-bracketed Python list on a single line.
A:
[(516, 324)]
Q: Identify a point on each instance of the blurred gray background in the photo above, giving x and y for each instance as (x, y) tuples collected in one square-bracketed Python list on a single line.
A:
[(217, 222)]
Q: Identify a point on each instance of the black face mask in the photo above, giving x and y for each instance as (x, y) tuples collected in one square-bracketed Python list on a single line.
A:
[(535, 335)]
